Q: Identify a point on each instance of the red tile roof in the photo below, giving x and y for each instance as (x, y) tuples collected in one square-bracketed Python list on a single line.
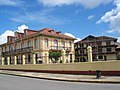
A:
[(30, 32), (45, 31), (49, 32)]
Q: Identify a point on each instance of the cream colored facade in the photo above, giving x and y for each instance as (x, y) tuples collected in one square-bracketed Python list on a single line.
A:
[(27, 48)]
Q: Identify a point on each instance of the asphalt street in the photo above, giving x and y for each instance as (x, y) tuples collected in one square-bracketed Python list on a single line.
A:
[(8, 82)]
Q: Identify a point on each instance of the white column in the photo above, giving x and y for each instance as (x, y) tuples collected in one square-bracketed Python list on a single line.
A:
[(89, 49), (64, 56), (73, 58), (23, 57), (2, 60), (34, 61), (15, 60), (8, 60), (47, 58)]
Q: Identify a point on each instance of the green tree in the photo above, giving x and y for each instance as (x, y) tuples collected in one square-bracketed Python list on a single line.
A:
[(54, 56)]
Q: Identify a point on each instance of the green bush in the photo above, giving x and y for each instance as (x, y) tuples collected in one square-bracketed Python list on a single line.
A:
[(55, 56)]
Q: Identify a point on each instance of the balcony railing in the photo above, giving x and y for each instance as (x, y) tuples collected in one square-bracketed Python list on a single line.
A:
[(26, 49), (60, 48), (21, 50), (104, 52)]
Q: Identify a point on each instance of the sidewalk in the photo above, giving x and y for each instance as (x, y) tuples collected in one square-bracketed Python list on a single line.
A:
[(65, 77)]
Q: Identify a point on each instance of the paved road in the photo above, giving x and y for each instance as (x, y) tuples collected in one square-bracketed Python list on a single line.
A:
[(8, 82)]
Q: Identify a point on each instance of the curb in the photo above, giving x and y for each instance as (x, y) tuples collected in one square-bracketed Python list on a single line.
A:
[(87, 81)]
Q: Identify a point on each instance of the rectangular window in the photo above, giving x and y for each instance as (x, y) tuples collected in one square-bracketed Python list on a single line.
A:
[(28, 43), (2, 49), (70, 44), (5, 49), (35, 43), (99, 43), (108, 43), (85, 52), (15, 46), (78, 45), (93, 44), (103, 43), (100, 50), (113, 49), (55, 44), (81, 51), (108, 49), (22, 45), (9, 48), (81, 45), (112, 42), (46, 43), (63, 44), (104, 50), (95, 51)]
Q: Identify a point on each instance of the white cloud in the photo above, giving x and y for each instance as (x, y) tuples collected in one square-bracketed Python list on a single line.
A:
[(21, 28), (118, 39), (42, 16), (85, 3), (4, 36), (90, 17), (71, 35), (77, 39), (11, 2), (11, 33), (113, 18)]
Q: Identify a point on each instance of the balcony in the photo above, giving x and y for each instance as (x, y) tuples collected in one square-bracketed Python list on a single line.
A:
[(17, 51), (60, 48), (104, 52), (24, 50)]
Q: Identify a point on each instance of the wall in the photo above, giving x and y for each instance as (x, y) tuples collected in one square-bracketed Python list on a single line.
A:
[(107, 67)]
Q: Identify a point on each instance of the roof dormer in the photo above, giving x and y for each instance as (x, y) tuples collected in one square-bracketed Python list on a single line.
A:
[(26, 32)]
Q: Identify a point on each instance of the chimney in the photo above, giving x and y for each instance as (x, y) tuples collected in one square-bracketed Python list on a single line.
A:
[(58, 32), (16, 34), (25, 32)]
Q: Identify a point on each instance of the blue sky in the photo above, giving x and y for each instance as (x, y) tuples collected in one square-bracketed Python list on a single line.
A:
[(77, 18)]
